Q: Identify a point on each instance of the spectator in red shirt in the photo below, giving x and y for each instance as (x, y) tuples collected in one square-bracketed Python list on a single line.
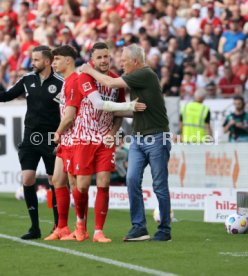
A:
[(13, 62), (188, 87), (25, 11), (28, 41), (239, 64), (211, 19), (230, 84), (7, 9)]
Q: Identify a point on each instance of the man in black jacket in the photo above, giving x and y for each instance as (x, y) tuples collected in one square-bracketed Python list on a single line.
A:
[(41, 88)]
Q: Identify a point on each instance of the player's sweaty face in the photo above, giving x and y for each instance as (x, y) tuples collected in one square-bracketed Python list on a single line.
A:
[(100, 59)]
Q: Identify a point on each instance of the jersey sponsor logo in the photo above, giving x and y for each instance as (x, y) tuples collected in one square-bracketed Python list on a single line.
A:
[(87, 86), (32, 85), (52, 88), (77, 167)]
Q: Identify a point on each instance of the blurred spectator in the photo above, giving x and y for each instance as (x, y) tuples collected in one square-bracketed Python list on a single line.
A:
[(160, 6), (6, 8), (149, 50), (131, 25), (194, 23), (239, 64), (188, 86), (210, 74), (7, 26), (183, 39), (154, 63), (200, 53), (175, 75), (150, 23), (24, 10), (211, 18), (27, 42), (66, 38), (40, 32), (211, 89), (232, 40), (12, 64), (173, 48), (165, 79), (71, 11), (128, 6), (163, 38), (173, 20), (230, 84), (237, 122)]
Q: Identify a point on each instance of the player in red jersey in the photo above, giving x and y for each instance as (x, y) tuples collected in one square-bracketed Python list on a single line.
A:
[(95, 126), (70, 100)]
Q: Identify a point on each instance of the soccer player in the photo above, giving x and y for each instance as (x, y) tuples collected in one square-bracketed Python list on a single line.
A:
[(70, 100), (95, 154), (41, 88)]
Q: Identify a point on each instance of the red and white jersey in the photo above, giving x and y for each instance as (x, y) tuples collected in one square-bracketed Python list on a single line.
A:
[(92, 124), (70, 96)]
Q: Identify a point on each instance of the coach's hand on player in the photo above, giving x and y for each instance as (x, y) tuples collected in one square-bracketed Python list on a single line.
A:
[(137, 106)]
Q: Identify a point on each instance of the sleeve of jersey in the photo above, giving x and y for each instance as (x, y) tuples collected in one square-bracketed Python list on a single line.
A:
[(87, 84), (73, 95)]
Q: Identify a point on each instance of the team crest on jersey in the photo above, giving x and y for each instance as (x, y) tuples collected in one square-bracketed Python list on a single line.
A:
[(52, 88), (87, 86)]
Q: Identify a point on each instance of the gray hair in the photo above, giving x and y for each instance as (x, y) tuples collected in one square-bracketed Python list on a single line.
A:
[(136, 52), (200, 94)]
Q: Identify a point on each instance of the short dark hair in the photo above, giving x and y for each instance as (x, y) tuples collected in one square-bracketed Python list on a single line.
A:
[(65, 51), (239, 98), (45, 51), (99, 46)]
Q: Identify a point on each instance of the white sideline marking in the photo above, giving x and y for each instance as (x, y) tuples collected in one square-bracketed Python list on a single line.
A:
[(21, 217), (90, 256), (234, 254)]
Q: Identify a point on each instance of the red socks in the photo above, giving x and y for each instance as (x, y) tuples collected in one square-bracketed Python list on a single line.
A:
[(101, 207), (63, 205), (81, 203)]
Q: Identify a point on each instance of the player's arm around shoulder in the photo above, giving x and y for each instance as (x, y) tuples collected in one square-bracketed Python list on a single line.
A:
[(103, 79)]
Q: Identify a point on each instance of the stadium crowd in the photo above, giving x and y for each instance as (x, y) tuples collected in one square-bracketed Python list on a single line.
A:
[(189, 44)]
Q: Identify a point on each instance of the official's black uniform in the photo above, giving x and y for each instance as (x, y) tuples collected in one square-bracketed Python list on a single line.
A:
[(41, 120)]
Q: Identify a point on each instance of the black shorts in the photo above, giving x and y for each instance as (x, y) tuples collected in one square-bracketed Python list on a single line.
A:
[(30, 152)]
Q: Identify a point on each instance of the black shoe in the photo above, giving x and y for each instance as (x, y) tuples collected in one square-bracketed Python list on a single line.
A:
[(31, 235), (137, 234), (161, 236)]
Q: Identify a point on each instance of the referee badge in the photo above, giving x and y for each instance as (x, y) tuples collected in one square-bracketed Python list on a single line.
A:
[(52, 89)]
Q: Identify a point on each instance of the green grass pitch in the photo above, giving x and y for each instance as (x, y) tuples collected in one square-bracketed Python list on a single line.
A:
[(196, 249)]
